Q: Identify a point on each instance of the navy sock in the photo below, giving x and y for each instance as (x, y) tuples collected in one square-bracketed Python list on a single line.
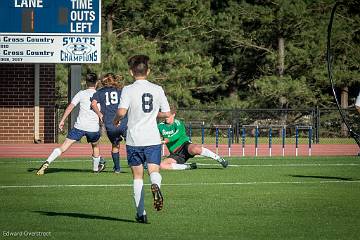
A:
[(116, 160)]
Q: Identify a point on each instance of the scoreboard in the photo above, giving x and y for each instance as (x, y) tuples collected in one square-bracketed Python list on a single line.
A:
[(50, 31)]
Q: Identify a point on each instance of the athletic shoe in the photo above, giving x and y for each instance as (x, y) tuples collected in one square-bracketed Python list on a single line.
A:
[(141, 219), (117, 171), (42, 169), (224, 162), (101, 167), (158, 198), (193, 166)]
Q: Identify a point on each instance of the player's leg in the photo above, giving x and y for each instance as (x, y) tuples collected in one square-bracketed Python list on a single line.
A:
[(194, 149), (72, 137), (170, 163), (114, 135), (93, 138), (153, 159), (135, 159)]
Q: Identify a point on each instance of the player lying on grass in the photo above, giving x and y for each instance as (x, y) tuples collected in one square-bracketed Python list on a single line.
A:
[(109, 98), (87, 124), (180, 147)]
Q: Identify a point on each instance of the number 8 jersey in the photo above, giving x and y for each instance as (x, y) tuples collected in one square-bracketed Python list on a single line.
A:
[(143, 100)]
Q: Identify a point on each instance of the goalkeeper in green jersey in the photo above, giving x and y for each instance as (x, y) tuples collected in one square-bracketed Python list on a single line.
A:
[(180, 146)]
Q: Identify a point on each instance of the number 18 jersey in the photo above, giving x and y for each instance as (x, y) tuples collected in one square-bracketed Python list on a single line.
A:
[(143, 101)]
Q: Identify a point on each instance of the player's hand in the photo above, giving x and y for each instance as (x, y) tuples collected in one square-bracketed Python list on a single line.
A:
[(165, 141), (61, 125), (101, 118), (116, 123)]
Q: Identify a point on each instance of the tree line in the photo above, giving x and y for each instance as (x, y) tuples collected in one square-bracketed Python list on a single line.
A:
[(228, 53)]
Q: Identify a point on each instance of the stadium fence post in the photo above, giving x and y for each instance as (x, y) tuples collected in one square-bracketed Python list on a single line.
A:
[(296, 140), (256, 140), (202, 133), (217, 140), (243, 141), (310, 138), (283, 135), (229, 140), (270, 141)]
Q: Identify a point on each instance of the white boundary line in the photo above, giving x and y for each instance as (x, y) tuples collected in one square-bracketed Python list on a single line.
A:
[(215, 164), (175, 184)]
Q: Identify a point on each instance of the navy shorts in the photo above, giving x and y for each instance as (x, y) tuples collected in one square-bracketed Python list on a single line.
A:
[(115, 134), (139, 155), (77, 134)]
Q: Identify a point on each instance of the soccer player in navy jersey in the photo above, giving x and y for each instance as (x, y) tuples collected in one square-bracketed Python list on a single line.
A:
[(109, 98)]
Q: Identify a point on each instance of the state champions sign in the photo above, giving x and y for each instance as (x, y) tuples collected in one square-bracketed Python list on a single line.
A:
[(50, 31)]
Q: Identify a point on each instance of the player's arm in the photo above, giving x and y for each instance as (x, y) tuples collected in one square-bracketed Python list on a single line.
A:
[(180, 131), (120, 114), (67, 112), (96, 109), (164, 106)]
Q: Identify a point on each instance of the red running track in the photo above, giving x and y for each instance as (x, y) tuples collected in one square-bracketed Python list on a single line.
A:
[(83, 150)]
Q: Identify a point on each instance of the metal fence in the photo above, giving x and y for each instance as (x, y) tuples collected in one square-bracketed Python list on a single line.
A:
[(211, 125)]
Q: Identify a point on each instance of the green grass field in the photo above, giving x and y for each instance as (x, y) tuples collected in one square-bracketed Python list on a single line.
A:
[(262, 198)]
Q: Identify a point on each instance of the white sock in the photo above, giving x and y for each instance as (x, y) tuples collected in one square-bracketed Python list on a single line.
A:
[(55, 153), (207, 153), (96, 161), (155, 177), (176, 166), (139, 196)]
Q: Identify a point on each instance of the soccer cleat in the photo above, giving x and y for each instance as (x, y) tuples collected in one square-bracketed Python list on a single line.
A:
[(141, 219), (224, 162), (158, 198), (193, 166), (42, 169), (101, 167)]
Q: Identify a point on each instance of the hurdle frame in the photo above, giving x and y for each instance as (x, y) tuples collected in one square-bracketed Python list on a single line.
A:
[(229, 130)]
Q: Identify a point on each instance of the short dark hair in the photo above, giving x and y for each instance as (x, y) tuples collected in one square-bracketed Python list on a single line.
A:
[(91, 77), (138, 64)]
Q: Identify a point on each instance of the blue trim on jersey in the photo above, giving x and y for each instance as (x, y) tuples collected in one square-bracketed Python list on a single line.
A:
[(77, 134), (144, 154)]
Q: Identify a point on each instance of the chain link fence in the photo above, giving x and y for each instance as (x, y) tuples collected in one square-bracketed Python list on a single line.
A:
[(224, 126)]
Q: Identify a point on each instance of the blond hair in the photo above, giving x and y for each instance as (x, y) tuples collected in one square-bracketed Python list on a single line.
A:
[(111, 80)]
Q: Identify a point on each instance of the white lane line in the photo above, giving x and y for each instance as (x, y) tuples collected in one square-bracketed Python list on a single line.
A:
[(176, 184)]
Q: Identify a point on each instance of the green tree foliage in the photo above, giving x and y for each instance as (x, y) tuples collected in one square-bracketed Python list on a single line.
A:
[(226, 52)]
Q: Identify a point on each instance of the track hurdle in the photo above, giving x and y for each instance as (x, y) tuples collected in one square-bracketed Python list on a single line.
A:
[(282, 128), (196, 125), (271, 128), (309, 129), (243, 137), (229, 137)]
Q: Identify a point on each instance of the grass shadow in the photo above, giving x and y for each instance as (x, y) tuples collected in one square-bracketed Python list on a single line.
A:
[(82, 215), (56, 170), (323, 177)]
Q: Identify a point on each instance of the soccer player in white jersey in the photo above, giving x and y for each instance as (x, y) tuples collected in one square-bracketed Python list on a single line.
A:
[(87, 124), (143, 102)]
